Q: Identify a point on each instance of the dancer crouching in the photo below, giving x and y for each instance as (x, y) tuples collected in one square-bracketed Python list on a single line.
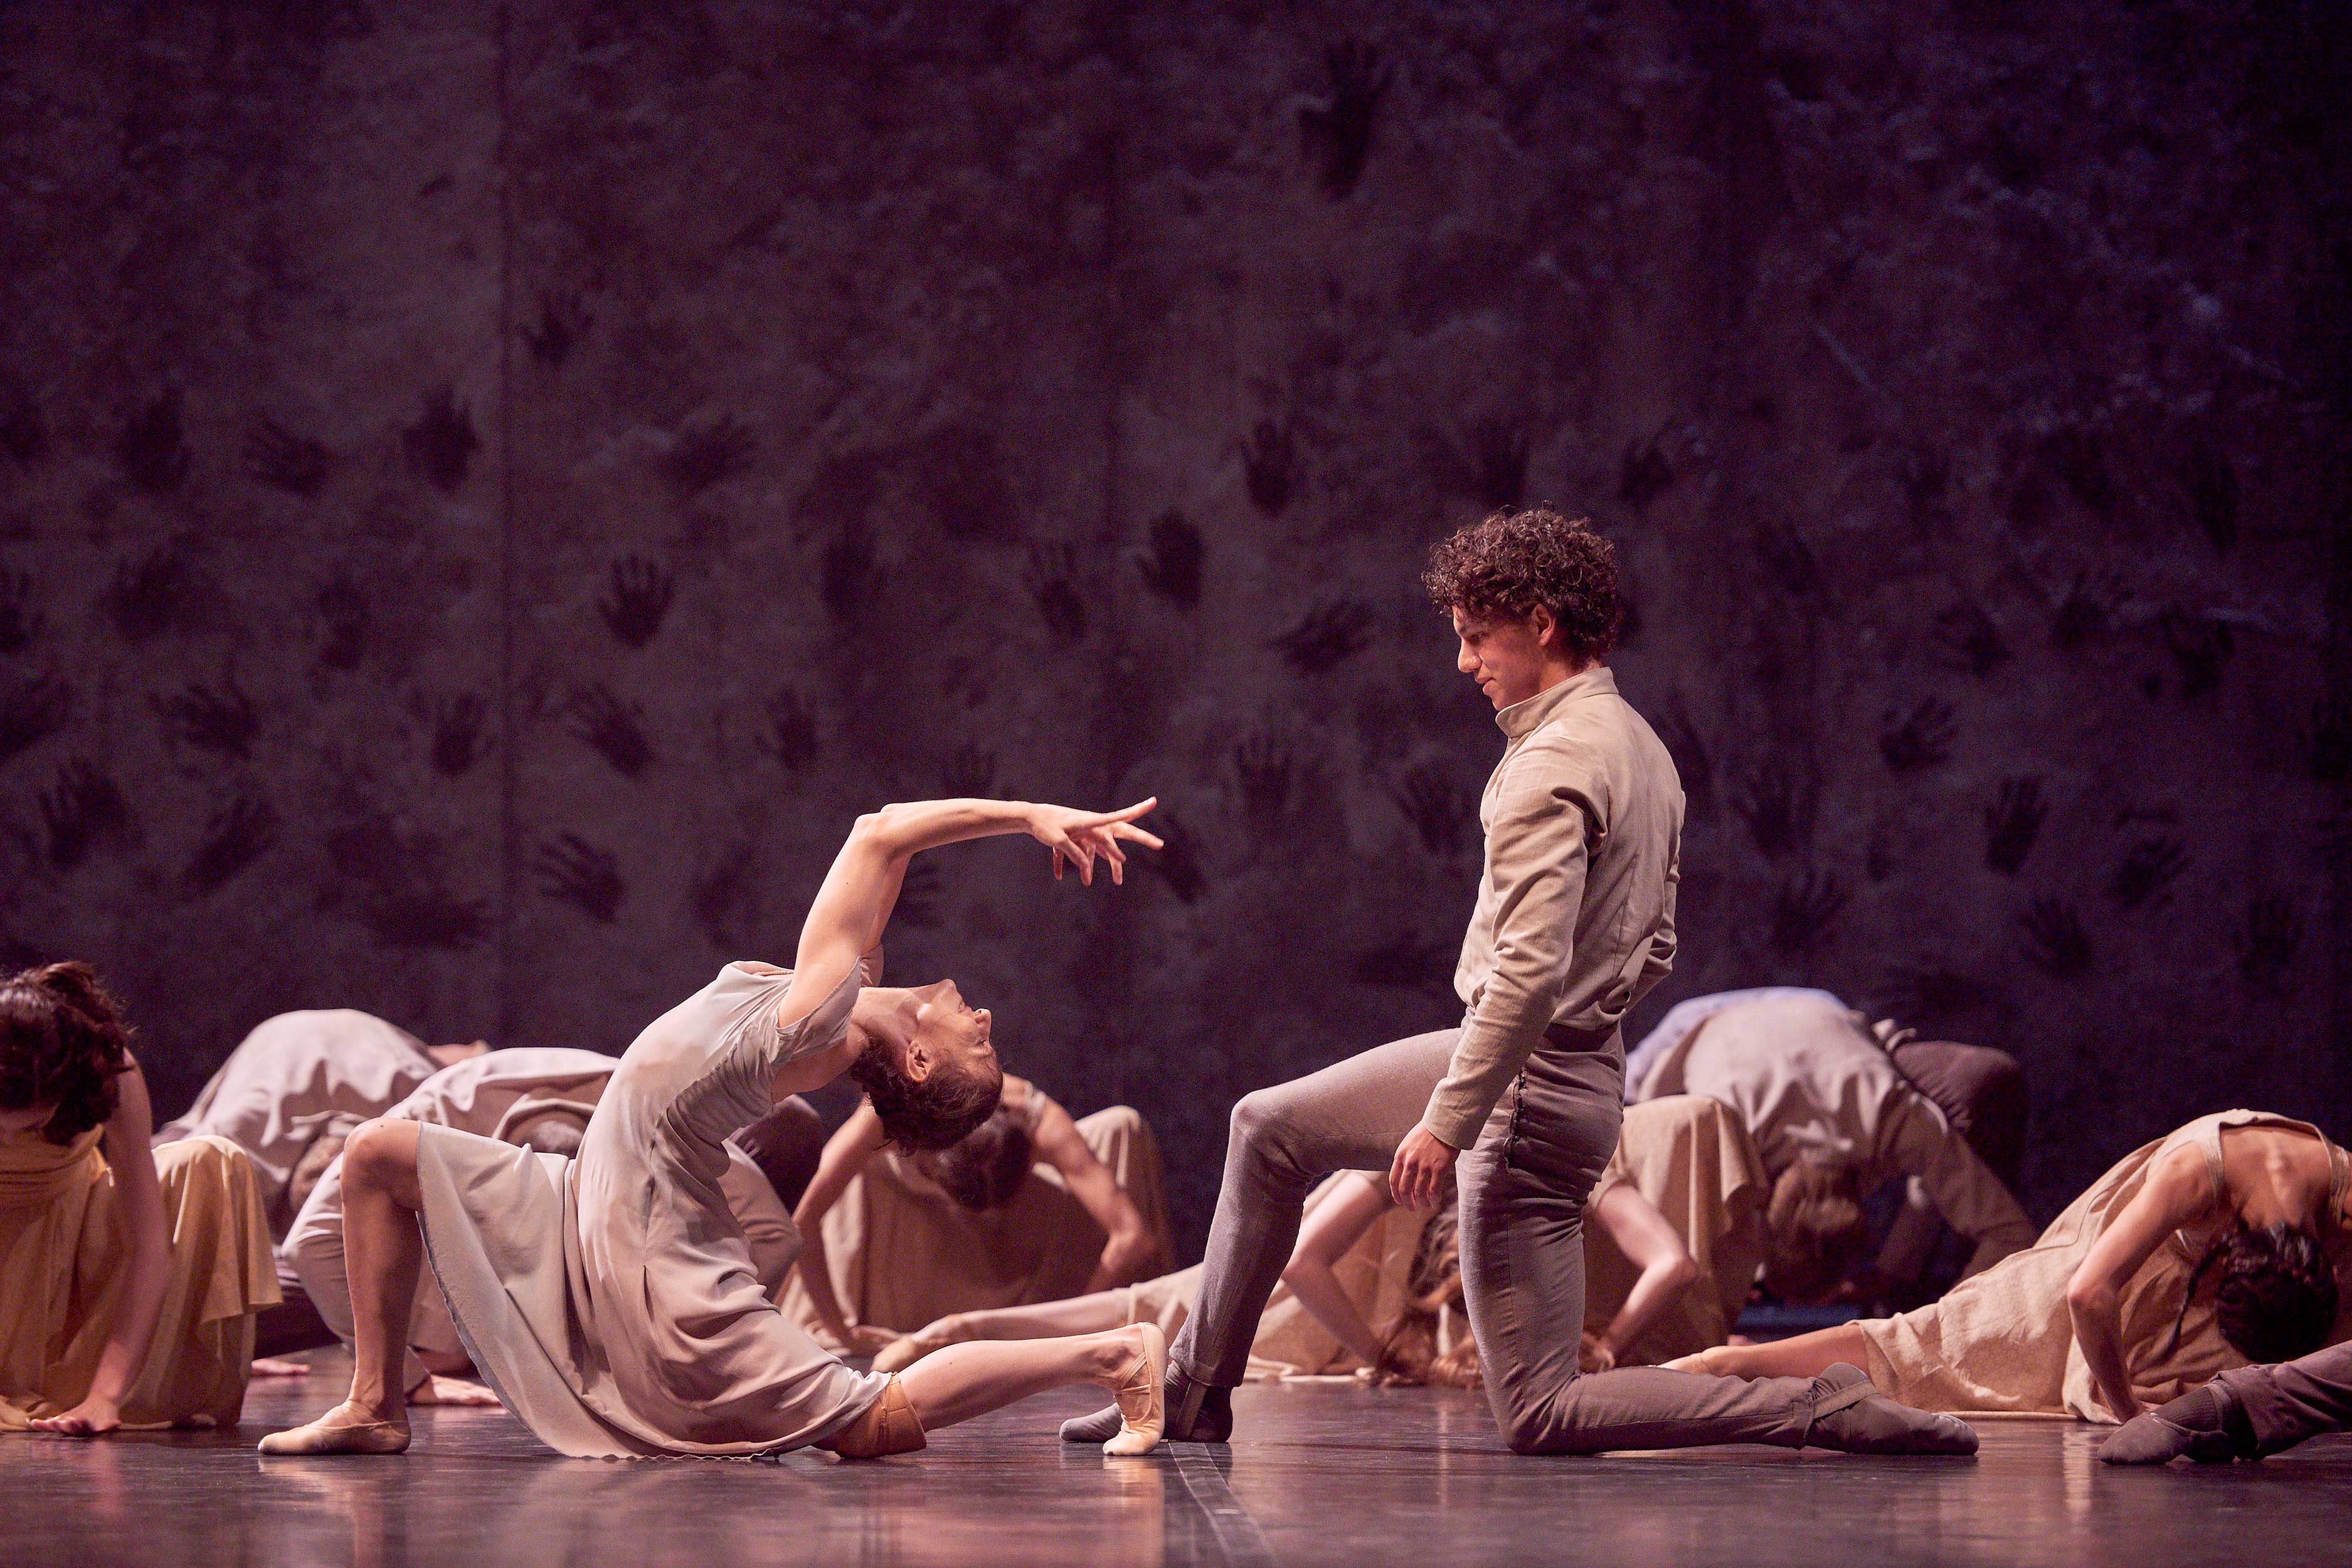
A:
[(610, 1298)]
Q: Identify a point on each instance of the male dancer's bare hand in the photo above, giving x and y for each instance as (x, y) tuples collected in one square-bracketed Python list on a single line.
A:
[(1079, 837), (1417, 1177)]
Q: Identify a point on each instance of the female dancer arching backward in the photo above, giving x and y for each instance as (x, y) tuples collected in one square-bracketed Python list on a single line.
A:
[(610, 1298)]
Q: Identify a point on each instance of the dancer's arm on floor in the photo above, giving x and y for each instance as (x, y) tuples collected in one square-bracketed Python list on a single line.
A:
[(1535, 848), (846, 1154), (1639, 1231), (1337, 1223), (1972, 1200), (2177, 1191), (1128, 1243), (129, 1143), (853, 906)]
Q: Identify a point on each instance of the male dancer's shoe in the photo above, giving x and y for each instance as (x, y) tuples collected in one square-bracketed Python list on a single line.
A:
[(329, 1435), (1849, 1416), (1196, 1413), (2204, 1425)]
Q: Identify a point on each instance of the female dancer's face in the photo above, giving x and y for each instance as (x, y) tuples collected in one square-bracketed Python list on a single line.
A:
[(954, 1029)]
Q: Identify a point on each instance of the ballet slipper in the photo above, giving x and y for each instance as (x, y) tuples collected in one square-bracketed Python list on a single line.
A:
[(1197, 1412), (1143, 1396), (907, 1349), (2193, 1427), (354, 1435), (1847, 1415)]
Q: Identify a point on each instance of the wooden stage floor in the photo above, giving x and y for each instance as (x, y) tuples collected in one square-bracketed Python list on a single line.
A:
[(1324, 1473)]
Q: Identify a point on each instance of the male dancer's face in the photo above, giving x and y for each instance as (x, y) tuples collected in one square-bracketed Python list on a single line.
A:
[(1507, 657)]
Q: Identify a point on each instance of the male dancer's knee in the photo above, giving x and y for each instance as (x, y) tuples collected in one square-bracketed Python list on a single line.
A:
[(1262, 1129)]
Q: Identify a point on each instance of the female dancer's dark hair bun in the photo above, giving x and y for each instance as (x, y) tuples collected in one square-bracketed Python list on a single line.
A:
[(63, 1043), (2276, 1298)]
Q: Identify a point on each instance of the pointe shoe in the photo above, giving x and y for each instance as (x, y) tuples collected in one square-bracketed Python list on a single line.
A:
[(328, 1435), (1142, 1397), (907, 1349), (1849, 1416)]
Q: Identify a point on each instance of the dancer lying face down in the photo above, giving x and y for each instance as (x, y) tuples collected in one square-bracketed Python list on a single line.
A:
[(2212, 1247), (610, 1299), (132, 1272), (297, 1084), (1023, 1209), (538, 1098), (1374, 1288), (1833, 1116)]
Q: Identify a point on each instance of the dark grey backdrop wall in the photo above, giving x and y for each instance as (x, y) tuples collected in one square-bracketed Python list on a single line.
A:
[(490, 493)]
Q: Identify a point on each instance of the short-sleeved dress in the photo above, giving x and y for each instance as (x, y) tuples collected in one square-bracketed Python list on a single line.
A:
[(2004, 1341), (611, 1299)]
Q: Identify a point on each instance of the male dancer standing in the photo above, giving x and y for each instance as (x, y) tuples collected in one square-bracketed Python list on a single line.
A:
[(1574, 922)]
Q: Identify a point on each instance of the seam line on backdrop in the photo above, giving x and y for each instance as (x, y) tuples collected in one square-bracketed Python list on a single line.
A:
[(508, 851)]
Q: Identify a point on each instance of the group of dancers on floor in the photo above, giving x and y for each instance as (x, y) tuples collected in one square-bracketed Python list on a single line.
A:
[(663, 1254)]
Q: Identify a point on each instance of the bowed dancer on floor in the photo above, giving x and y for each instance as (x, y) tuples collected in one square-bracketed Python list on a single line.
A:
[(610, 1298), (1574, 922)]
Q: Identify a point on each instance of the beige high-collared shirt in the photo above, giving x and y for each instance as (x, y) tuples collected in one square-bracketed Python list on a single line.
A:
[(1575, 919)]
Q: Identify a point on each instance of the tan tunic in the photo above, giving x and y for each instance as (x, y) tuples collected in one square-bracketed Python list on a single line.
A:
[(611, 1299), (1808, 1080), (1692, 1159), (492, 1096), (296, 1079), (65, 1268), (903, 1253), (2005, 1341), (1575, 917)]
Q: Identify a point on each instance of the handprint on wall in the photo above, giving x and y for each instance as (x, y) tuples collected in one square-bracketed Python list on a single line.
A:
[(1776, 802), (1440, 811), (1051, 581), (791, 735), (1337, 133), (638, 600), (2056, 942), (31, 710), (277, 456), (1327, 635), (456, 733), (20, 618), (220, 718), (152, 450), (1919, 739), (1270, 466), (82, 810), (1171, 566), (614, 729), (440, 443), (586, 875), (2012, 823), (1804, 908), (239, 834)]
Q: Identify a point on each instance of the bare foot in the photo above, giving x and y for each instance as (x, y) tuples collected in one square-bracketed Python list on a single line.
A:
[(276, 1366), (345, 1429), (439, 1390)]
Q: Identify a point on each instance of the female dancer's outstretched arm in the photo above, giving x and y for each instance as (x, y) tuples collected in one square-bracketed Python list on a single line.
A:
[(1652, 1244), (2177, 1190), (850, 910), (129, 1143)]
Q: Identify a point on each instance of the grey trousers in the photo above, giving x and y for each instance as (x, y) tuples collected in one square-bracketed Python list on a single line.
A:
[(2295, 1399), (1522, 1190)]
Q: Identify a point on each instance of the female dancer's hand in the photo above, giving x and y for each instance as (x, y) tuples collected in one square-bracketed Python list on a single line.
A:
[(1080, 838), (88, 1419)]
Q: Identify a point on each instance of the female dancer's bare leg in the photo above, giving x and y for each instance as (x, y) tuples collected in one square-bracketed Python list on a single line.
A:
[(383, 1251), (968, 1380), (1094, 1314), (1803, 1355)]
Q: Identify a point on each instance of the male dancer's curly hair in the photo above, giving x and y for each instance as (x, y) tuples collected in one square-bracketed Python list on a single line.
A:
[(2275, 1296), (1813, 1225), (987, 1164), (935, 1113), (63, 1043), (1513, 561)]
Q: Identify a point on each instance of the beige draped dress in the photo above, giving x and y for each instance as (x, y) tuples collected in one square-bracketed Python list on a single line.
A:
[(65, 1268), (299, 1077), (904, 1253), (2004, 1339), (495, 1096), (611, 1300)]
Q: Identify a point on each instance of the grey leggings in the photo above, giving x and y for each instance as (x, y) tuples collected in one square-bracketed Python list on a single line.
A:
[(1523, 1189)]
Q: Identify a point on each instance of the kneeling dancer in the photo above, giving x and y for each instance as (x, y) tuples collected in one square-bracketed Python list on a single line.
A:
[(1574, 922), (610, 1298)]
